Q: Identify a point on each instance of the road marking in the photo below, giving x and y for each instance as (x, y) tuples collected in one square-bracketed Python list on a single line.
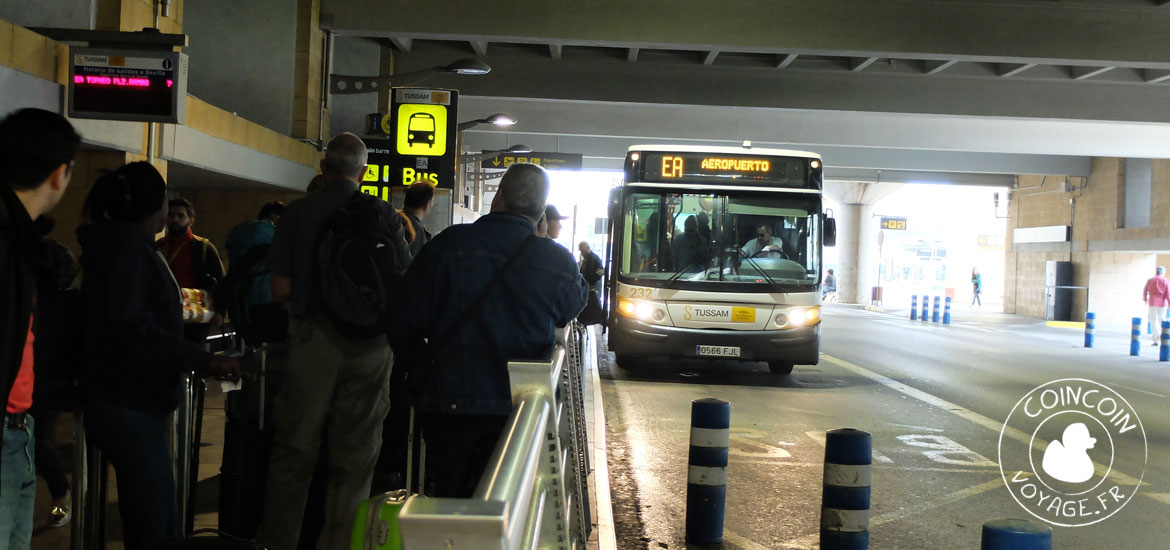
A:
[(941, 446), (1139, 390), (878, 457), (746, 436), (1164, 498), (919, 428), (883, 466), (741, 541), (966, 414), (807, 541)]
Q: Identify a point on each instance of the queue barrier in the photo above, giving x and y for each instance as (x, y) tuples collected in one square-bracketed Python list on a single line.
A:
[(533, 493)]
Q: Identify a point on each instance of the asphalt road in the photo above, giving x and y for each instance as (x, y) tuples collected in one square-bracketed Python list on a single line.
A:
[(935, 399)]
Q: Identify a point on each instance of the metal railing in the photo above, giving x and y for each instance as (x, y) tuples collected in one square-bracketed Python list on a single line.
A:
[(532, 494)]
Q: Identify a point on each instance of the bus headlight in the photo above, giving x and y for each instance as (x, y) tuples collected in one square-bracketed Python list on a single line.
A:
[(781, 319), (812, 315), (643, 311), (659, 315), (802, 316), (796, 318), (626, 308)]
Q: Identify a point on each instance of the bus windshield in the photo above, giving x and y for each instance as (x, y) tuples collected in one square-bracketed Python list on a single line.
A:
[(693, 240)]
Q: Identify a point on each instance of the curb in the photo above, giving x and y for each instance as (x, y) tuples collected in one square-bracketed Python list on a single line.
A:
[(603, 532)]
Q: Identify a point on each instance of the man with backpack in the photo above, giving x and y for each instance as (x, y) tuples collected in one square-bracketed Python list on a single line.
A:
[(333, 259)]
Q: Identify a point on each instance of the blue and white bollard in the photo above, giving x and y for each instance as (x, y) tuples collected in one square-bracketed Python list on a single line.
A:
[(947, 312), (1017, 534), (913, 307), (1164, 350), (1090, 322), (707, 477), (925, 308), (1135, 346), (845, 500), (934, 316)]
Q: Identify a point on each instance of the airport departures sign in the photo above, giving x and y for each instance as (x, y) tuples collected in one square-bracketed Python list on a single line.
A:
[(421, 145)]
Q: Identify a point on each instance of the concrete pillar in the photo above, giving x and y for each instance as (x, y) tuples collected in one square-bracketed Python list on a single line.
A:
[(857, 236)]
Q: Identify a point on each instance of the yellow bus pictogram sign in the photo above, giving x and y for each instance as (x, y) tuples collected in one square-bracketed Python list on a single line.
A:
[(422, 130)]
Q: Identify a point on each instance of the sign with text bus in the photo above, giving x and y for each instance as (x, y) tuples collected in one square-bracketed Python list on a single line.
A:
[(422, 124)]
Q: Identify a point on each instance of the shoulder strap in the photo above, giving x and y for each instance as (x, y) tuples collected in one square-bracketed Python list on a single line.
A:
[(478, 301)]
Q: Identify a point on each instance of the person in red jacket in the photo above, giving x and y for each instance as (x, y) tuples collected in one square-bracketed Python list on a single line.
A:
[(1156, 296)]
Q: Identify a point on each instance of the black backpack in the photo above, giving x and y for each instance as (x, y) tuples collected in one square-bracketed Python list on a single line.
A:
[(356, 267)]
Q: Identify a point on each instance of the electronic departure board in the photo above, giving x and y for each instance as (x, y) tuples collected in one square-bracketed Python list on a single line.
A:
[(133, 85), (692, 167)]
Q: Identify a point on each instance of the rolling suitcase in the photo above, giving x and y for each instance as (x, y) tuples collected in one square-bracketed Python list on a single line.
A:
[(199, 540), (246, 448), (375, 527)]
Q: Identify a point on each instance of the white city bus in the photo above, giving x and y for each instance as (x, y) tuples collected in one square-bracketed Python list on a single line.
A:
[(715, 252)]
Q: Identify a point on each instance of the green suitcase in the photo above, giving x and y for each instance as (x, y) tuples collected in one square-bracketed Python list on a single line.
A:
[(375, 526)]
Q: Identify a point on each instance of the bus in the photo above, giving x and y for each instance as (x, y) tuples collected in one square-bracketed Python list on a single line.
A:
[(715, 253)]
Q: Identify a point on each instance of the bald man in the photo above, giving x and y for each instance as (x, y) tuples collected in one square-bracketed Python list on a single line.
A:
[(482, 294), (336, 380)]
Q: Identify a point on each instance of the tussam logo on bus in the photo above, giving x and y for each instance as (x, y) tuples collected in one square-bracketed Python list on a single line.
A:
[(707, 313), (1079, 434)]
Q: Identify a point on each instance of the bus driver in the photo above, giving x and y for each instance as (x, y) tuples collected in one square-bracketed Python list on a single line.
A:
[(762, 243)]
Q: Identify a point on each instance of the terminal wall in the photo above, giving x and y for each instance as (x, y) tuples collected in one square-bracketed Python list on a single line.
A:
[(1112, 260), (70, 14), (243, 58)]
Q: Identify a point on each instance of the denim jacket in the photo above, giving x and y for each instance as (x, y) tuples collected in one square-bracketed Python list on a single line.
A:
[(540, 292)]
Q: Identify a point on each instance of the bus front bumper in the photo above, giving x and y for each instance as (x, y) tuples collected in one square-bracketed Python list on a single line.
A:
[(632, 338)]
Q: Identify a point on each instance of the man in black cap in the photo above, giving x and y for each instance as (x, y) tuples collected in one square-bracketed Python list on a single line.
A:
[(550, 225)]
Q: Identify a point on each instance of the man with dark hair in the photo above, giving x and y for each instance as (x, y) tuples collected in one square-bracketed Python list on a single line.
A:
[(271, 211), (37, 149), (193, 259), (419, 199), (336, 381), (462, 294)]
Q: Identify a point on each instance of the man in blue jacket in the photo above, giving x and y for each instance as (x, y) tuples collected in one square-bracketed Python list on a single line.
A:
[(465, 398)]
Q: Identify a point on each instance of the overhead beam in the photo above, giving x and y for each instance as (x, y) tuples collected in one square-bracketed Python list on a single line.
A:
[(402, 44), (632, 55), (1076, 33), (786, 60), (1082, 73), (554, 51), (1156, 76), (858, 64), (1008, 70), (710, 57), (693, 84), (936, 67), (480, 47)]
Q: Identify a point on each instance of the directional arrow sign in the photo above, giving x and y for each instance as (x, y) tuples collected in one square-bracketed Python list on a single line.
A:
[(550, 161)]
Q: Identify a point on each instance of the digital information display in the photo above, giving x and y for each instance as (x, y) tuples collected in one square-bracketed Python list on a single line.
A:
[(720, 168), (131, 85)]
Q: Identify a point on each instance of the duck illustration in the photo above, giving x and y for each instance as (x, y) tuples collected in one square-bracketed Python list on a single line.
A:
[(1067, 459)]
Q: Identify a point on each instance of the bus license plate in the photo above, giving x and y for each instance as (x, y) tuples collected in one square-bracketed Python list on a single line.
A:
[(718, 351)]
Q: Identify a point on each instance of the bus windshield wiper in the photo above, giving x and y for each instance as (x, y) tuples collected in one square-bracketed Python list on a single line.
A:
[(756, 265), (678, 274)]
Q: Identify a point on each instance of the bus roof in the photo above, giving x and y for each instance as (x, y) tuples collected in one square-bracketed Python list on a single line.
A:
[(724, 150)]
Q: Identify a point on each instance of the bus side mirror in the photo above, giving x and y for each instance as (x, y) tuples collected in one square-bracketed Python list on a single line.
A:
[(830, 238)]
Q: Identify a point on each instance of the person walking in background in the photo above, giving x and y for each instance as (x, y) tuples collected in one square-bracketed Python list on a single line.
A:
[(134, 351), (976, 286), (830, 285), (1155, 296)]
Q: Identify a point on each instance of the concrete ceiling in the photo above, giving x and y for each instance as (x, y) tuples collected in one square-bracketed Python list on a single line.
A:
[(962, 91)]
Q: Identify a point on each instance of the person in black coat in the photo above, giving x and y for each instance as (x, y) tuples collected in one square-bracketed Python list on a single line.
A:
[(135, 355)]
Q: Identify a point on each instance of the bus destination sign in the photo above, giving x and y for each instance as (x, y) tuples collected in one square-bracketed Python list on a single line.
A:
[(720, 168)]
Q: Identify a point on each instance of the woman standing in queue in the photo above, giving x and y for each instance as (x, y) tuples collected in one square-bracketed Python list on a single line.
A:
[(134, 351)]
